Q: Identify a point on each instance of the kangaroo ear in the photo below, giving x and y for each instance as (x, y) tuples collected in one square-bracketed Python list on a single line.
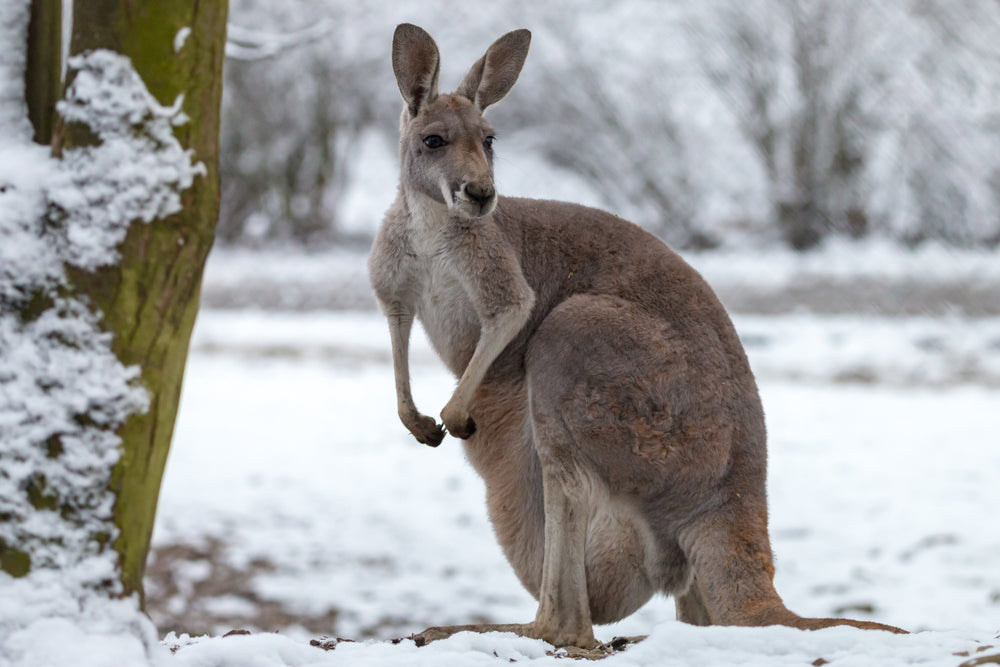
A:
[(493, 75), (416, 63)]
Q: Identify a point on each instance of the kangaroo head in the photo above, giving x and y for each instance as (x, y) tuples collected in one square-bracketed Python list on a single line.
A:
[(446, 146)]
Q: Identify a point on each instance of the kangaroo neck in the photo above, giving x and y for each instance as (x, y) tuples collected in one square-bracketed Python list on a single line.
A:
[(431, 223)]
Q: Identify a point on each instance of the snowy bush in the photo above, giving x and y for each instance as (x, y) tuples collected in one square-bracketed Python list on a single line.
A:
[(299, 90)]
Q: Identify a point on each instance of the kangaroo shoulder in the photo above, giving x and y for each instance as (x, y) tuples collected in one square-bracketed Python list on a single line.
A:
[(391, 261)]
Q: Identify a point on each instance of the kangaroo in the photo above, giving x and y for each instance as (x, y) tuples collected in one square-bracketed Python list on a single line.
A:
[(603, 394)]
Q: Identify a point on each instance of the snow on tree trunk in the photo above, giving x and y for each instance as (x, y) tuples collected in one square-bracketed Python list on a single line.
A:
[(101, 256)]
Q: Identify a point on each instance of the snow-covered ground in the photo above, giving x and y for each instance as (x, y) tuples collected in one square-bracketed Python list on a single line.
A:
[(295, 501)]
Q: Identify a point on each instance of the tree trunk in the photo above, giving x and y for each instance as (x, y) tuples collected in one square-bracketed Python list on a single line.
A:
[(43, 85), (149, 300)]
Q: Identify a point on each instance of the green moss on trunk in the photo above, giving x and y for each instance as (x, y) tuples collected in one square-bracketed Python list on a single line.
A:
[(43, 78), (14, 562)]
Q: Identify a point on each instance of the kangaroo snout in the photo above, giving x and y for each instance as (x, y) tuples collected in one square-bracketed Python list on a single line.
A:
[(481, 195)]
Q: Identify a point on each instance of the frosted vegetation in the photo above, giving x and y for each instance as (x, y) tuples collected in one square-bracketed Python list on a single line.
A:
[(708, 122), (63, 392)]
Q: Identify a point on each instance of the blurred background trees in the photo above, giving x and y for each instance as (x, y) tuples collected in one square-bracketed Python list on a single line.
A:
[(709, 122), (297, 97)]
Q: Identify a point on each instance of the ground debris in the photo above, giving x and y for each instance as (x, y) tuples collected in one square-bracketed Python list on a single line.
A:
[(992, 659), (599, 652), (329, 643)]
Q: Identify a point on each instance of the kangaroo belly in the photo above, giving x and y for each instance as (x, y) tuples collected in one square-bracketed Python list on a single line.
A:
[(624, 566)]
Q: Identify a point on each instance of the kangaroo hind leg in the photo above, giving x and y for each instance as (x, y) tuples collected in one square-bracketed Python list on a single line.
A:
[(733, 571), (691, 607), (733, 577), (563, 617)]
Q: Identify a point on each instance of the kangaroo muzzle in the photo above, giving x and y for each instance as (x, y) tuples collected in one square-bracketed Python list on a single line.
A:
[(482, 197)]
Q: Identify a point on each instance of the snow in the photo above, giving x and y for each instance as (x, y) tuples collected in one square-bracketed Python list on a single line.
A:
[(27, 258), (88, 633), (142, 166), (673, 644), (288, 450), (181, 38), (62, 396), (13, 109), (905, 352)]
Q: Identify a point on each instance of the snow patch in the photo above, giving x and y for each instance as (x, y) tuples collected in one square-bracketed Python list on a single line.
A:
[(86, 632), (64, 394), (136, 173), (13, 108), (181, 38), (28, 257)]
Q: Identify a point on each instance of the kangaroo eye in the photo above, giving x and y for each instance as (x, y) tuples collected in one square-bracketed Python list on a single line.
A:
[(488, 142), (434, 141)]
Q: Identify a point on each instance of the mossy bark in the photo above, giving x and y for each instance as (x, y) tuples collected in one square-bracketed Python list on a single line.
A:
[(149, 300), (43, 79)]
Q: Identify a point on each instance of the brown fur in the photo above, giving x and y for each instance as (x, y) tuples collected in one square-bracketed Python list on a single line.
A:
[(604, 395)]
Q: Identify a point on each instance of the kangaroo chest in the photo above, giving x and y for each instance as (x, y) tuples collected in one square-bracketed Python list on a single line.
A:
[(446, 312)]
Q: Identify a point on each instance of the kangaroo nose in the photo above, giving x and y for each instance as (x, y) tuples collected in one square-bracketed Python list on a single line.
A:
[(479, 193)]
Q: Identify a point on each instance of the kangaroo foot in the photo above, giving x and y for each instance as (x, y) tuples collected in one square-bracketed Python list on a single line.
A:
[(444, 631), (591, 649), (600, 651)]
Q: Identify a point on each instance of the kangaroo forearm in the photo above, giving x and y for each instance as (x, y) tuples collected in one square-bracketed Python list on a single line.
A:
[(495, 337), (423, 428), (400, 325)]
